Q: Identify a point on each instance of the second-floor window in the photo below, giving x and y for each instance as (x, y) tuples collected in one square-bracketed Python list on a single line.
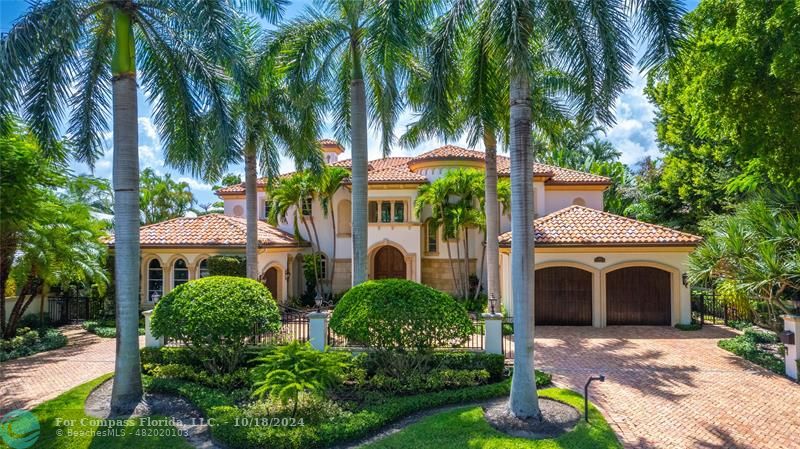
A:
[(267, 208), (307, 205), (431, 243), (387, 211)]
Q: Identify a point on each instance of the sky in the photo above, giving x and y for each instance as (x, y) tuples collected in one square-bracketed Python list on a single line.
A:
[(633, 133)]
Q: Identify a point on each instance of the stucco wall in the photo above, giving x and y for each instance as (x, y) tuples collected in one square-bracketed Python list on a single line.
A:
[(32, 309), (670, 259), (558, 199)]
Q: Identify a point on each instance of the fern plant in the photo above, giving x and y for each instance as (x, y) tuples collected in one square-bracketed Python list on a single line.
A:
[(286, 372)]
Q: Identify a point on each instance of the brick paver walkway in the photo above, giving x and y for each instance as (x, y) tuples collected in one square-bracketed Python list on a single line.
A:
[(28, 381), (668, 389)]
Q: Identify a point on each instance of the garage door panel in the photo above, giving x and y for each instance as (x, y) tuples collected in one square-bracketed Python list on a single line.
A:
[(638, 295), (563, 296)]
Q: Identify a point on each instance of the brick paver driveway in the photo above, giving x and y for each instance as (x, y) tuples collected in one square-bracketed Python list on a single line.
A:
[(31, 380), (668, 389)]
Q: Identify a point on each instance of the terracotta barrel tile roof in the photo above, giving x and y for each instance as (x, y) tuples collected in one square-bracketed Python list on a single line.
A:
[(583, 226), (208, 230), (401, 169)]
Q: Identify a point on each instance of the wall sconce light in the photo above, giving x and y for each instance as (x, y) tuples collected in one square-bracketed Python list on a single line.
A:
[(685, 279), (600, 259), (155, 297)]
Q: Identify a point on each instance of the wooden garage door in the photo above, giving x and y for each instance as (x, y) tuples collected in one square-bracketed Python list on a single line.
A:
[(563, 297), (638, 295)]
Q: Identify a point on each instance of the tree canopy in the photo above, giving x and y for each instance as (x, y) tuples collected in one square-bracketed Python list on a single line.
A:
[(728, 107)]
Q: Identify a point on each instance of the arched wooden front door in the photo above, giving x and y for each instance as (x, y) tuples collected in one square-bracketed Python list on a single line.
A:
[(271, 281), (389, 264)]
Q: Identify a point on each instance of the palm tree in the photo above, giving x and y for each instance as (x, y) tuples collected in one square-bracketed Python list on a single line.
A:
[(359, 52), (290, 194), (266, 123), (86, 54), (592, 44), (162, 198), (329, 183), (465, 90)]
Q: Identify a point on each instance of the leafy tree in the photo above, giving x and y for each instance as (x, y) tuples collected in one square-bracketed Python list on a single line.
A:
[(162, 198), (592, 44), (92, 191), (87, 54), (728, 107), (360, 54), (226, 180), (753, 252)]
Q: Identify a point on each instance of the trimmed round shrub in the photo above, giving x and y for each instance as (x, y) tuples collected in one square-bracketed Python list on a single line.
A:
[(396, 314), (214, 316)]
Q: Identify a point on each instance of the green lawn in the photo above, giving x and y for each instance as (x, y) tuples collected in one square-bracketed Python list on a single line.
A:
[(466, 428), (64, 414)]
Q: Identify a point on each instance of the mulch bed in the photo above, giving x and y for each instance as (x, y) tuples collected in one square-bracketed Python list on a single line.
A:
[(557, 419)]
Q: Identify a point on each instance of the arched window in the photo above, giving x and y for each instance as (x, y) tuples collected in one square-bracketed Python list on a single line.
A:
[(344, 225), (155, 281), (180, 273), (579, 201), (202, 269)]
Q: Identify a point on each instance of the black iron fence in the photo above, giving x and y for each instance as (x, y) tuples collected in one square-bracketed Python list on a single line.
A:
[(709, 308), (69, 309), (294, 327), (474, 342)]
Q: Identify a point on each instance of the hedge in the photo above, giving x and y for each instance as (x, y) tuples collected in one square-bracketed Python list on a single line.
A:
[(359, 424), (227, 266)]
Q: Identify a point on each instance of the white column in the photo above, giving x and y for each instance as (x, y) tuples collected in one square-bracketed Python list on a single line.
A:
[(791, 323), (318, 330), (150, 341), (493, 340)]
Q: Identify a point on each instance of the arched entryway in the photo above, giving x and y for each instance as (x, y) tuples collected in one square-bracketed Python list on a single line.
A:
[(270, 279), (389, 263)]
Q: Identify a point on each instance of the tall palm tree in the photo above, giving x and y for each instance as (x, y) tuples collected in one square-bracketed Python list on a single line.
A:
[(329, 183), (359, 52), (267, 124), (591, 43), (86, 54), (465, 91)]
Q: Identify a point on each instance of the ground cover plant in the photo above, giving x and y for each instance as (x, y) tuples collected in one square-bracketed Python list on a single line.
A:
[(29, 341), (759, 346), (105, 328)]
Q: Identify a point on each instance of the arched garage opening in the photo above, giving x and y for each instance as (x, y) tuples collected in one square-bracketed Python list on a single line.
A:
[(638, 296), (563, 297)]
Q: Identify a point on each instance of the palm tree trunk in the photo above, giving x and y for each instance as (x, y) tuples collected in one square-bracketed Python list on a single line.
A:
[(333, 256), (313, 253), (319, 250), (523, 401), (127, 370), (492, 210), (358, 138), (482, 270), (251, 205), (466, 262), (456, 282)]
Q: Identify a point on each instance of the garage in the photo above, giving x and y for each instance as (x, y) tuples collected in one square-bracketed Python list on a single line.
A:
[(563, 297), (638, 296)]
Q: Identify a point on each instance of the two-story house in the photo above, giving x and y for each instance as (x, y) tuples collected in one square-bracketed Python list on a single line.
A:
[(592, 267)]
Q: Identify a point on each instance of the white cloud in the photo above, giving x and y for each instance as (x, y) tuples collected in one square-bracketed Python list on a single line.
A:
[(146, 127), (634, 134), (195, 184)]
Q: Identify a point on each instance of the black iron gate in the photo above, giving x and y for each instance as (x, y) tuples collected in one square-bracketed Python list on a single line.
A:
[(68, 309), (708, 308)]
